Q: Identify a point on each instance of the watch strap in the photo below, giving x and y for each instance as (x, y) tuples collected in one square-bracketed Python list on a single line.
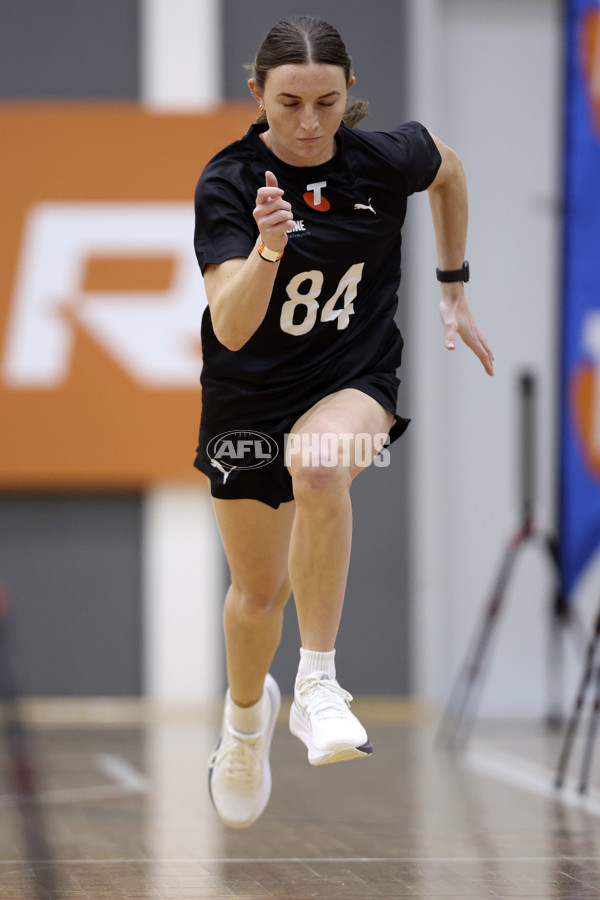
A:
[(449, 275)]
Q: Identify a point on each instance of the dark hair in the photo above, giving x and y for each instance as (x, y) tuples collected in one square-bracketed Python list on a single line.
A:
[(304, 40)]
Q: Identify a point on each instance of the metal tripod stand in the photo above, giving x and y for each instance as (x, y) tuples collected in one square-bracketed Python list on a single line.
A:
[(460, 712), (591, 672)]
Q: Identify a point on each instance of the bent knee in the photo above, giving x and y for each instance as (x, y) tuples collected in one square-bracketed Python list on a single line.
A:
[(318, 477), (261, 602)]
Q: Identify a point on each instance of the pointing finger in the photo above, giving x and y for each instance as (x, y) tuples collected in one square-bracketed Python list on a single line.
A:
[(271, 190)]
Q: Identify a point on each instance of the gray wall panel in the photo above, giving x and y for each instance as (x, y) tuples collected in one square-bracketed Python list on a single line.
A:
[(71, 565), (69, 49), (373, 648)]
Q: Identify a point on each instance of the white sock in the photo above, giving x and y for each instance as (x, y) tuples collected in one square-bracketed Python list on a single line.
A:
[(248, 719), (313, 662)]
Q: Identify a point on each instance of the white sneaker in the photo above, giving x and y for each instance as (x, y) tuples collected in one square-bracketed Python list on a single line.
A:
[(320, 716), (239, 774)]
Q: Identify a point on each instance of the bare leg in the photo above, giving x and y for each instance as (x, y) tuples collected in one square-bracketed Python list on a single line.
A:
[(256, 540), (320, 557), (322, 530)]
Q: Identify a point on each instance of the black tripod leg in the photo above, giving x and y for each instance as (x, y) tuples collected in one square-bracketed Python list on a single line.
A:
[(573, 723), (590, 740), (22, 778), (21, 769), (560, 619), (555, 665), (460, 708)]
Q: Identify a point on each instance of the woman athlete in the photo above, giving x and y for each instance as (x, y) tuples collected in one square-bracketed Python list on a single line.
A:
[(298, 233)]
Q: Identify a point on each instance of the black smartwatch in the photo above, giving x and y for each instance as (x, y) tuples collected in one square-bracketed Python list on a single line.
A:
[(462, 274)]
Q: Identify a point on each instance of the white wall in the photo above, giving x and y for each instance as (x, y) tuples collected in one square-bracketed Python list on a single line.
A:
[(181, 54), (183, 595), (183, 563), (487, 79)]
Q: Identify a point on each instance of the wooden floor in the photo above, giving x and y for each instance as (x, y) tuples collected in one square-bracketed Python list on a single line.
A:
[(127, 816)]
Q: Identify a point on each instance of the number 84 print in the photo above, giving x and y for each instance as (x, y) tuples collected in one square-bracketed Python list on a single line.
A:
[(347, 287)]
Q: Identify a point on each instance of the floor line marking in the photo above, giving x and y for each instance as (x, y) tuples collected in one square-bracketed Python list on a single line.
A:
[(122, 772), (536, 779), (70, 795), (125, 777)]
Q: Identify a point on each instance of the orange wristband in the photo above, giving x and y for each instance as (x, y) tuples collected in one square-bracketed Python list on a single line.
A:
[(266, 253)]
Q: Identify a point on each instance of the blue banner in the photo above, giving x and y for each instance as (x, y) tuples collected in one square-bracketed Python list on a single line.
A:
[(580, 377)]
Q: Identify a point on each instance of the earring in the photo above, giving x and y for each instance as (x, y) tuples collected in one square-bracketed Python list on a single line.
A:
[(261, 107)]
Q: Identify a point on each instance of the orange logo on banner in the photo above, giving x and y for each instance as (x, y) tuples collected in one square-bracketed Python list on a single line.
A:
[(584, 402), (591, 61), (100, 294)]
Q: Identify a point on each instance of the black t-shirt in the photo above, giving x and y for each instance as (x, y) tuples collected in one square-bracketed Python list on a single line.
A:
[(330, 319)]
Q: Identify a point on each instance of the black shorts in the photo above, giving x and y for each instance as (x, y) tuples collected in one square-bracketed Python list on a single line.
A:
[(259, 471)]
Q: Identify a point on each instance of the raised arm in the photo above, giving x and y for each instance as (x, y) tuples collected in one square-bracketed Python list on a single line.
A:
[(238, 290), (449, 210)]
